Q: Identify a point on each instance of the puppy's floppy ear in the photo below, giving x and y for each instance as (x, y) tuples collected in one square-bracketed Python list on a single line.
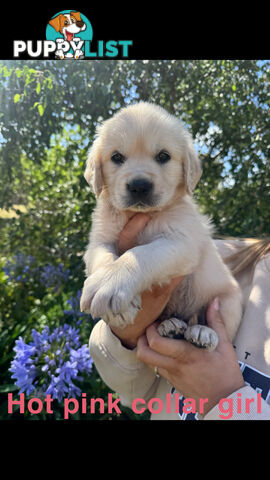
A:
[(93, 172), (192, 167)]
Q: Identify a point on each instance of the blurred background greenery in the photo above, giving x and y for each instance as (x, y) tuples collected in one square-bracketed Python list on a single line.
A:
[(48, 114)]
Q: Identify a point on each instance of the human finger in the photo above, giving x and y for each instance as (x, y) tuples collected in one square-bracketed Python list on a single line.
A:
[(150, 357), (164, 290), (128, 236), (215, 321), (169, 346), (174, 283)]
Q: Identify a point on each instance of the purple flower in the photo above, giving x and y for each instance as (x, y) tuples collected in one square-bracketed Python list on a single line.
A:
[(51, 363), (74, 311), (54, 276), (19, 267), (24, 268)]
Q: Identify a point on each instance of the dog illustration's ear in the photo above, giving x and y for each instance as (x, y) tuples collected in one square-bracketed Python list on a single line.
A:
[(55, 22), (93, 172), (192, 167), (79, 22), (76, 15)]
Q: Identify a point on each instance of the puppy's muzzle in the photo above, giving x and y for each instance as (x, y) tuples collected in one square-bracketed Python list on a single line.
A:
[(140, 190)]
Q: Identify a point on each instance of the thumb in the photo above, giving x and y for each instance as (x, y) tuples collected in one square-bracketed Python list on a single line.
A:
[(165, 291), (130, 232), (215, 320), (174, 283)]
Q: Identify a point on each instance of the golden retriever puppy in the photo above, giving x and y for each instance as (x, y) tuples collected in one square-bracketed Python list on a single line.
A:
[(143, 160)]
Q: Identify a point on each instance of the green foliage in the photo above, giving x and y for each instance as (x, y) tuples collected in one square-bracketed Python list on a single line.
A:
[(48, 114)]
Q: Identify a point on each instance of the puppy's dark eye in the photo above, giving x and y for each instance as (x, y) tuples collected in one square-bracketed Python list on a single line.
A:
[(118, 158), (163, 157)]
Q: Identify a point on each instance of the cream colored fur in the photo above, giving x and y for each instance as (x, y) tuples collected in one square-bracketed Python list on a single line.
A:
[(176, 241)]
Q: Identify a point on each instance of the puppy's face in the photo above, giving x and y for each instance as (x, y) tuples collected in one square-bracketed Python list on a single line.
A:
[(143, 157)]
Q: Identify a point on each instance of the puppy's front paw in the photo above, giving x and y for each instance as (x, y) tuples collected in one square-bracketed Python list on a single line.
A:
[(114, 299), (202, 337), (85, 300), (126, 317), (110, 293), (172, 328), (91, 285)]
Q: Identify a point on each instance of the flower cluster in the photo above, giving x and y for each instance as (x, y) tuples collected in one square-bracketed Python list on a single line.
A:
[(23, 268), (53, 276), (51, 363), (20, 267)]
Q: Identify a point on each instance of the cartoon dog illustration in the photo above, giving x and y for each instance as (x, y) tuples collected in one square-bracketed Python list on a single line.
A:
[(68, 25)]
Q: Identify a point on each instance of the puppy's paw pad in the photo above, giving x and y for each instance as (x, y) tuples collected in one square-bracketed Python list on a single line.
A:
[(202, 337), (172, 328)]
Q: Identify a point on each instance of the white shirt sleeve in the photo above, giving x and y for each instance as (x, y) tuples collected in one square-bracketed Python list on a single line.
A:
[(119, 367)]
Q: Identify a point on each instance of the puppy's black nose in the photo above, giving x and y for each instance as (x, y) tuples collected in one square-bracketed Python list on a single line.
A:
[(139, 188)]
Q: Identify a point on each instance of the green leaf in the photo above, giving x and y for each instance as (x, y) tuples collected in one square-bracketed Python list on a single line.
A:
[(48, 82), (17, 98), (234, 88), (41, 109), (8, 388), (38, 88)]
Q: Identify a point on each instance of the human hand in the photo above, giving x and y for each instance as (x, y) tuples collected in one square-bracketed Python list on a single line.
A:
[(194, 372), (154, 301)]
